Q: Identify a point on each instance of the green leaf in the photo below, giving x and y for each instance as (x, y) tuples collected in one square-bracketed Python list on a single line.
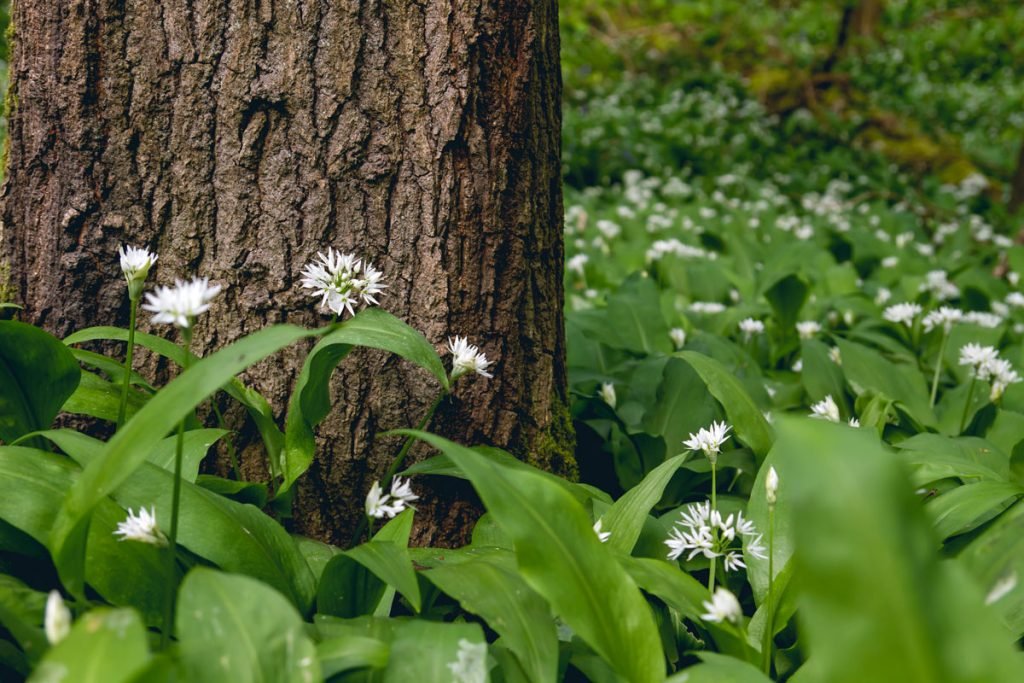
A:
[(37, 374), (351, 652), (682, 405), (716, 668), (311, 400), (510, 607), (561, 558), (422, 650), (129, 446), (233, 628), (935, 457), (877, 602), (389, 562), (21, 613), (626, 517), (104, 646), (866, 369), (996, 557), (757, 512), (638, 322), (787, 297), (96, 397), (676, 588), (820, 376), (968, 507), (747, 420), (251, 492), (348, 589)]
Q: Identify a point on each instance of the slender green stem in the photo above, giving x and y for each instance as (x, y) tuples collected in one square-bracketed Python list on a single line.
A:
[(397, 462), (767, 640), (967, 405), (938, 365), (172, 539), (122, 409), (714, 530)]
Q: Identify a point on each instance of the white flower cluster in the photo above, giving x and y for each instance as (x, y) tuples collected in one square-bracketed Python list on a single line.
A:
[(944, 317), (674, 247), (902, 313), (141, 527), (467, 358), (986, 365), (387, 505), (707, 307), (807, 329), (750, 327), (703, 531), (937, 283), (826, 409), (181, 304), (709, 440), (343, 281)]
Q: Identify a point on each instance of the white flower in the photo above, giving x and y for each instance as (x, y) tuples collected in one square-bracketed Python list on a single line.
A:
[(733, 560), (983, 319), (678, 335), (945, 317), (826, 409), (808, 328), (342, 281), (181, 304), (602, 535), (707, 307), (709, 439), (467, 358), (835, 355), (135, 264), (470, 665), (890, 262), (57, 619), (902, 313), (608, 228), (882, 296), (756, 548), (723, 606), (577, 263), (937, 282), (1003, 375), (798, 366), (771, 486), (749, 327), (607, 393), (141, 527), (401, 490), (380, 505), (854, 422), (1015, 299), (979, 358)]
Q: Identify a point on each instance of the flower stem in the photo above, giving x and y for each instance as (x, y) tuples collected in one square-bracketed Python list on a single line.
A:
[(714, 531), (768, 637), (967, 405), (122, 409), (172, 539), (938, 365), (397, 462)]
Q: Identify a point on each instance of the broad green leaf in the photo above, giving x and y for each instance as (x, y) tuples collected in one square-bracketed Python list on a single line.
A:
[(510, 607), (422, 651), (682, 405), (129, 446), (996, 559), (251, 492), (348, 589), (935, 457), (254, 402), (311, 399), (626, 516), (561, 558), (637, 323), (717, 668), (787, 297), (317, 554), (104, 646), (238, 538), (877, 602), (820, 376), (234, 628), (21, 614), (351, 652), (746, 418), (666, 580), (390, 563), (37, 374), (867, 369), (96, 397), (968, 507), (110, 367)]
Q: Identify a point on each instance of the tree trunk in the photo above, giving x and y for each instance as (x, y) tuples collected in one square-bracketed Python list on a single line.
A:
[(240, 137)]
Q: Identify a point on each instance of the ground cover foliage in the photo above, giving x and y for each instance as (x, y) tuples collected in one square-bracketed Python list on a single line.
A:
[(794, 322)]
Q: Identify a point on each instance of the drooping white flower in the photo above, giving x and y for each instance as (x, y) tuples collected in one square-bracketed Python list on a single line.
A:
[(607, 393), (902, 313), (470, 665), (944, 317), (678, 336), (181, 304), (342, 281), (57, 618), (380, 505), (771, 486), (401, 490), (722, 607), (709, 439), (135, 264), (826, 409), (602, 535), (141, 527), (467, 358), (750, 327), (1003, 375), (808, 328)]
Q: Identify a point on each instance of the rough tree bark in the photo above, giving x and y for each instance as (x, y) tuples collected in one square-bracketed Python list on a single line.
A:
[(239, 137)]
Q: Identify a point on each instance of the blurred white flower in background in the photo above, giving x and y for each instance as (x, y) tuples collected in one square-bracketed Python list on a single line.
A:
[(57, 618), (826, 409), (902, 313), (181, 304), (141, 527), (722, 607)]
